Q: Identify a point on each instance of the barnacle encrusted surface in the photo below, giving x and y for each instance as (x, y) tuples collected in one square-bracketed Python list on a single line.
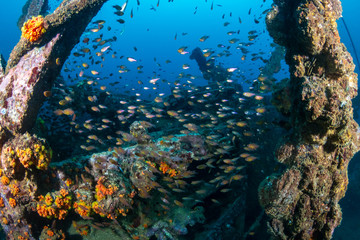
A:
[(302, 202)]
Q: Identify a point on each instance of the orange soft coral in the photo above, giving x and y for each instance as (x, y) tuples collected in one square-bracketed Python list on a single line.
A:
[(82, 209), (5, 180), (12, 202), (45, 211), (33, 29), (102, 191), (165, 168)]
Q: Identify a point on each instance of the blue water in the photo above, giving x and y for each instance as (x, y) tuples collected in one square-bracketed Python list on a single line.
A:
[(153, 34), (176, 17)]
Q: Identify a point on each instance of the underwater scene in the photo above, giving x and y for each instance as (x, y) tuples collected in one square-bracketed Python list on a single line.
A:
[(179, 119)]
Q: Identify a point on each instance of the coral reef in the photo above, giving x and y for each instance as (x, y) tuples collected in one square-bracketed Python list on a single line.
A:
[(52, 234), (24, 157), (24, 152), (22, 160), (112, 186), (302, 202)]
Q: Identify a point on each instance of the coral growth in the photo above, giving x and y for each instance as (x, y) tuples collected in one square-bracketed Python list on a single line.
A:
[(302, 202), (25, 152), (54, 205), (51, 234), (112, 185), (33, 29)]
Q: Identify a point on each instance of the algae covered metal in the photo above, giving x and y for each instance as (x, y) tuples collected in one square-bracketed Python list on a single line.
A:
[(302, 202)]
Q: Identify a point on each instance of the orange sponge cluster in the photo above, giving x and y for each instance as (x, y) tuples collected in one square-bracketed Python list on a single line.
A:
[(33, 29)]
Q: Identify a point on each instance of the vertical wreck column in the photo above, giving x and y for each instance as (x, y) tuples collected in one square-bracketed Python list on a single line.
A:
[(302, 202), (34, 64)]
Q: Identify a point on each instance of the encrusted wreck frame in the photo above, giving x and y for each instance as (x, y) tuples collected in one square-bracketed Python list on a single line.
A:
[(30, 71), (302, 202)]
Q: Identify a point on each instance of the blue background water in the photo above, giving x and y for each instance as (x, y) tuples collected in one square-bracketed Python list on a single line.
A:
[(175, 17), (152, 33)]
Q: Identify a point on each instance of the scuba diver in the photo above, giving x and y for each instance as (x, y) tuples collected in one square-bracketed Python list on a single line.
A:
[(211, 72)]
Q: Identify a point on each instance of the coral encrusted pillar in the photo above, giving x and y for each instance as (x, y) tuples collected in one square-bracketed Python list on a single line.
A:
[(302, 201)]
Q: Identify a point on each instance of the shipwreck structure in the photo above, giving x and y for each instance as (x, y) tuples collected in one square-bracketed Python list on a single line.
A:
[(31, 69), (302, 202)]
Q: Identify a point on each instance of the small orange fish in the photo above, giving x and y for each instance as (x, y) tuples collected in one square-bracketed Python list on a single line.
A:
[(172, 113), (248, 94), (94, 30), (252, 146), (58, 112), (203, 38), (63, 102), (105, 48), (241, 124), (47, 93), (250, 158), (95, 109), (260, 110), (178, 203), (68, 111), (237, 177)]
